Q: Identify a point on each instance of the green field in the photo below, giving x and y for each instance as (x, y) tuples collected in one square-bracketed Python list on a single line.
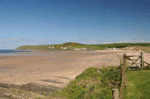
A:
[(78, 45), (138, 85)]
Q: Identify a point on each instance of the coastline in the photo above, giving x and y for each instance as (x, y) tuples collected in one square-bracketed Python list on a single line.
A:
[(29, 67), (25, 69)]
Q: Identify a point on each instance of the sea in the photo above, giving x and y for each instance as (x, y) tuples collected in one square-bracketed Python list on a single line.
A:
[(11, 51), (16, 53)]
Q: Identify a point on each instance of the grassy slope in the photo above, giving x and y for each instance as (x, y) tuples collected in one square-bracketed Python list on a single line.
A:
[(90, 85), (78, 45), (145, 49), (138, 85), (138, 48)]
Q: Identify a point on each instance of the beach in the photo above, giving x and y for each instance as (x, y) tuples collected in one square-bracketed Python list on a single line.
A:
[(55, 68)]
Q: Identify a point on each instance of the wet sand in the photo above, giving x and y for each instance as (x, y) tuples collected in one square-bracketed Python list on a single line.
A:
[(53, 68)]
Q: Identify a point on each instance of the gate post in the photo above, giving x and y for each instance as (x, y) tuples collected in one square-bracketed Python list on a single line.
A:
[(141, 62), (124, 60), (123, 76)]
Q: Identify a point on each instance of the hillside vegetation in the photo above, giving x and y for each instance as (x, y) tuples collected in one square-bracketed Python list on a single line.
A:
[(72, 45), (93, 83)]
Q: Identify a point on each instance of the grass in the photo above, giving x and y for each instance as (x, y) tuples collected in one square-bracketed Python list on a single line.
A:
[(138, 85), (30, 90), (138, 48), (145, 49), (93, 83), (14, 93)]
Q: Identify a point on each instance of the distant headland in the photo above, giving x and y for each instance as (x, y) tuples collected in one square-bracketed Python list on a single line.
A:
[(79, 46)]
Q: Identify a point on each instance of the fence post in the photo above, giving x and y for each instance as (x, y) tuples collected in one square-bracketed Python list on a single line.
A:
[(115, 94), (124, 61), (124, 68), (142, 64), (123, 76)]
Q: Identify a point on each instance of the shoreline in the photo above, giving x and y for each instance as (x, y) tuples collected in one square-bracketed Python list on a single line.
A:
[(29, 67), (50, 52), (25, 69)]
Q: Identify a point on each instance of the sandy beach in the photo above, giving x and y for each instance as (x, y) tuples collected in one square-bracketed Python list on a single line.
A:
[(58, 66)]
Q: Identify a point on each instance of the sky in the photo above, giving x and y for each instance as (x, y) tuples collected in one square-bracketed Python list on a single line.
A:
[(37, 22)]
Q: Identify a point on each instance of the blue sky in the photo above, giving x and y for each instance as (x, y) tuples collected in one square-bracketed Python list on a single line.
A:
[(35, 22)]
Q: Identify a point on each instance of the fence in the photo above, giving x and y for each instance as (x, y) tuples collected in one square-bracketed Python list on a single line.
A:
[(124, 65)]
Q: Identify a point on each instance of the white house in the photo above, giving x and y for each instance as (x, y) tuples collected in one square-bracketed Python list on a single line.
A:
[(49, 47), (114, 48), (65, 47), (83, 48), (53, 47), (62, 47), (76, 49)]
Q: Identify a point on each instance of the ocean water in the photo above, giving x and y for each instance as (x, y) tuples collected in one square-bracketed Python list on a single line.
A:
[(11, 51), (16, 53)]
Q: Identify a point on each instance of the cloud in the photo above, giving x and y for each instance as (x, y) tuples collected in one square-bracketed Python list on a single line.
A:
[(87, 40), (138, 40), (9, 39), (24, 39), (43, 40), (109, 42), (12, 43)]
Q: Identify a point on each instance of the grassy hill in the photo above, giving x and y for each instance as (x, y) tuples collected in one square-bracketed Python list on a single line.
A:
[(72, 45)]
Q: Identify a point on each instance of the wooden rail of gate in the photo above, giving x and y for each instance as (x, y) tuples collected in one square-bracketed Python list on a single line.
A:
[(139, 65), (124, 66), (140, 57)]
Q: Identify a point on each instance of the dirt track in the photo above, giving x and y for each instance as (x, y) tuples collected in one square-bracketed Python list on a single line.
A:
[(56, 69)]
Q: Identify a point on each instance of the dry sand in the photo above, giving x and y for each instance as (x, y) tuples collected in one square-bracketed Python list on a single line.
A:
[(60, 66)]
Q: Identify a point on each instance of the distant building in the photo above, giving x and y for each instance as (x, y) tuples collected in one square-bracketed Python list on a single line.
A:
[(83, 48), (49, 47), (111, 49), (65, 47), (62, 47), (53, 47), (76, 49), (114, 48)]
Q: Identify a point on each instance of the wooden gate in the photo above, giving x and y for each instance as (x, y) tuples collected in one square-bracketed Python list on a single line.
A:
[(135, 63), (125, 65)]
